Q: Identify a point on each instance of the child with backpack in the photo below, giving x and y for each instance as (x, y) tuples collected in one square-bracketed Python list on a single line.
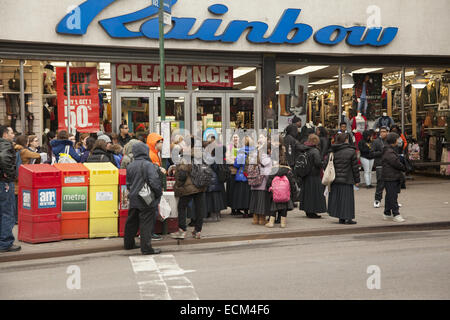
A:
[(281, 185), (258, 175), (241, 192)]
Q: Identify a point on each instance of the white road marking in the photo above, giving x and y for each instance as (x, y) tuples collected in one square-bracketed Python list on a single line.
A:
[(161, 278)]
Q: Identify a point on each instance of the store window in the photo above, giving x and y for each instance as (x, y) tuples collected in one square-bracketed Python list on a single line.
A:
[(242, 113)]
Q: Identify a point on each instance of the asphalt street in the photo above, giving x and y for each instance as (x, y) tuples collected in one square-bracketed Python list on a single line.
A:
[(409, 265)]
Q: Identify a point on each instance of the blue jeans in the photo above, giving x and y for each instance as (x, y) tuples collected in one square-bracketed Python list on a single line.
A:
[(363, 101), (7, 216)]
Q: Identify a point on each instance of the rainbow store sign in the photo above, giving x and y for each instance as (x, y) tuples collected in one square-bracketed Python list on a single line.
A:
[(78, 20)]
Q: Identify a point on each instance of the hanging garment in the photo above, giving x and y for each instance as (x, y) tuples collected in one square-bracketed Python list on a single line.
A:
[(432, 148)]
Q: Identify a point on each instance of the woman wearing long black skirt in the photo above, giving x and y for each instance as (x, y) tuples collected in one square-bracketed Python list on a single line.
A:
[(341, 201), (312, 200)]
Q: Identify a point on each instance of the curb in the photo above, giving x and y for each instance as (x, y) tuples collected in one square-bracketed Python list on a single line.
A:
[(278, 235)]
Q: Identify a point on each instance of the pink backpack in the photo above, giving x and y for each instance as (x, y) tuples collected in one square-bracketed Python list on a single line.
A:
[(281, 189)]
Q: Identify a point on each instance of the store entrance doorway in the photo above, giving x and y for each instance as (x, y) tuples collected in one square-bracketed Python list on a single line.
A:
[(214, 113), (141, 110)]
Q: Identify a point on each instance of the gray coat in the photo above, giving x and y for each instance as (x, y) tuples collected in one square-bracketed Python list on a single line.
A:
[(142, 170), (377, 149)]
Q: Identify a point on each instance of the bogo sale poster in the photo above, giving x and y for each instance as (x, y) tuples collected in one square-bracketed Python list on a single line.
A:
[(84, 100)]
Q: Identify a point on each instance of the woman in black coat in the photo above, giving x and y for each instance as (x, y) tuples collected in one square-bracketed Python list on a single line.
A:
[(312, 200), (341, 201), (215, 195)]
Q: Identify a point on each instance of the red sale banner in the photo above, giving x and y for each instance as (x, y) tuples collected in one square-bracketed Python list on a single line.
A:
[(84, 100), (176, 75)]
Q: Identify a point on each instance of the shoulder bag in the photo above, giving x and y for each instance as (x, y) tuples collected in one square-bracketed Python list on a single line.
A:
[(146, 193)]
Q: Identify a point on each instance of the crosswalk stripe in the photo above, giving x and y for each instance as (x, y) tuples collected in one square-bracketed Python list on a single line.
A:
[(161, 278)]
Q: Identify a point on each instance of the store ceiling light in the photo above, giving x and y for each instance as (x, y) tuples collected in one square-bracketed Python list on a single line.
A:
[(367, 70), (419, 81), (250, 88), (306, 70), (324, 81), (242, 71)]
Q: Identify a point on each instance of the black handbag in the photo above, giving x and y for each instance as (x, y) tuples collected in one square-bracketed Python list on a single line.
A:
[(14, 83)]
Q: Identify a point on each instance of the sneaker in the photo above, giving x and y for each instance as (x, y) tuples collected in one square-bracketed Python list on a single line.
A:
[(399, 218), (156, 237), (180, 234), (196, 235), (399, 205), (13, 248), (376, 204), (387, 218)]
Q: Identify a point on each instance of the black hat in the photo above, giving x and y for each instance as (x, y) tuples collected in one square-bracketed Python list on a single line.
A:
[(50, 67)]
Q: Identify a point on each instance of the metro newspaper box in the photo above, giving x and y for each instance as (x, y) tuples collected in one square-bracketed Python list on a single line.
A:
[(124, 204), (74, 200), (103, 199), (39, 203)]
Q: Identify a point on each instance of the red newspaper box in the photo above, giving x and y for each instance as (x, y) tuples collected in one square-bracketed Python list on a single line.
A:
[(39, 203), (74, 200), (123, 201)]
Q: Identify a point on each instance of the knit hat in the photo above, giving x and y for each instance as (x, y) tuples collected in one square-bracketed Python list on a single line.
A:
[(105, 138)]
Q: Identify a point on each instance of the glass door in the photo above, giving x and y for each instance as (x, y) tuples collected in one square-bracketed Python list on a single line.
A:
[(241, 111), (177, 111), (136, 110), (209, 116)]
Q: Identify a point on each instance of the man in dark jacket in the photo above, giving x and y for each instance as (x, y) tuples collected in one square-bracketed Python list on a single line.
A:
[(7, 198), (392, 176), (124, 137), (377, 149), (142, 216)]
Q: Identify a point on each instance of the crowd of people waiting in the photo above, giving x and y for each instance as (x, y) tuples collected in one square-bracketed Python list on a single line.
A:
[(241, 175)]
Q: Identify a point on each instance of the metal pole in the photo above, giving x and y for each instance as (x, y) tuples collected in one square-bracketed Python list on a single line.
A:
[(403, 99), (162, 63), (69, 128), (340, 97), (22, 97)]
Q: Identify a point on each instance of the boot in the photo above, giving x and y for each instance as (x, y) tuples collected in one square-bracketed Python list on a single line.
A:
[(262, 220), (283, 222), (255, 219), (283, 111), (271, 222)]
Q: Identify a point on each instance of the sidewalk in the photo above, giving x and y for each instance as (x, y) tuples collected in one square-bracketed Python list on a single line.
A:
[(426, 204)]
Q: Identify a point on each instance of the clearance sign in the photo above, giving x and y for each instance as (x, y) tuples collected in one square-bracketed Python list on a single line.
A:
[(176, 75), (84, 99)]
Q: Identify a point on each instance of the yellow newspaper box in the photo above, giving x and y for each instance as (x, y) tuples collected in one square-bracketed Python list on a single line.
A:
[(103, 200)]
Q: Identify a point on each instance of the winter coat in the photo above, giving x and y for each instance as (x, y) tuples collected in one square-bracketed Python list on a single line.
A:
[(183, 182), (85, 156), (124, 141), (99, 155), (59, 146), (141, 171), (392, 165), (365, 147), (314, 156), (7, 161), (345, 164), (27, 155), (128, 153), (280, 171), (239, 163), (291, 143), (265, 168), (377, 149), (152, 139)]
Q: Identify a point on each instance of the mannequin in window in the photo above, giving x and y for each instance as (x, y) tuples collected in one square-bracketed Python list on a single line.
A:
[(359, 125), (49, 79), (363, 97), (384, 121)]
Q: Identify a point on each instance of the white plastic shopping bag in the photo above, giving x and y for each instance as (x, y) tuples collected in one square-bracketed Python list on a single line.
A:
[(164, 209)]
